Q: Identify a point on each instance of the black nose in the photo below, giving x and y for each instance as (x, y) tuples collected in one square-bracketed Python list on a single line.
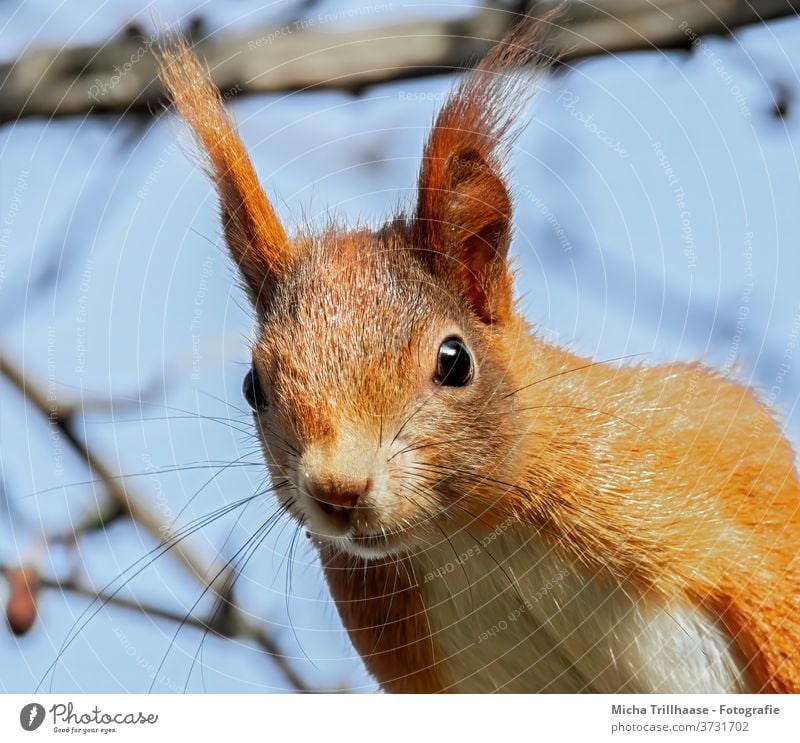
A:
[(338, 498)]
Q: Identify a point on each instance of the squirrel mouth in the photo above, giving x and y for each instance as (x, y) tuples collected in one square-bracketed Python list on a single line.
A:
[(371, 540), (369, 536), (378, 544)]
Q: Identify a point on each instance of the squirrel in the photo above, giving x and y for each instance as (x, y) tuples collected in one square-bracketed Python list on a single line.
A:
[(491, 512)]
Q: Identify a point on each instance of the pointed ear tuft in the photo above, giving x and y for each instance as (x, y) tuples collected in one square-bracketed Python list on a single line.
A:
[(253, 232), (463, 229), (462, 222)]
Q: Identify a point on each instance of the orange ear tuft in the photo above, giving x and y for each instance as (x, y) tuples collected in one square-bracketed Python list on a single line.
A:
[(253, 232), (462, 223)]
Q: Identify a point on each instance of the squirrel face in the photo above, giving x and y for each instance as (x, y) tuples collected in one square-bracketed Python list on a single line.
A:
[(375, 388), (385, 360)]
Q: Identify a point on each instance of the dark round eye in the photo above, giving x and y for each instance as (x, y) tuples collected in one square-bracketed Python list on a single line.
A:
[(253, 391), (454, 366)]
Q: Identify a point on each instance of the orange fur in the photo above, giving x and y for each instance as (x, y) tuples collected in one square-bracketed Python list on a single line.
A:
[(671, 479), (386, 620), (255, 237)]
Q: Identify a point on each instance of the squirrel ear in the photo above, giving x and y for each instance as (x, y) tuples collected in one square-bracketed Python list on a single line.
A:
[(255, 237), (462, 224), (462, 228)]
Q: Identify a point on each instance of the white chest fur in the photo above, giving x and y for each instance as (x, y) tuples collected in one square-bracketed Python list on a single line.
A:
[(508, 615)]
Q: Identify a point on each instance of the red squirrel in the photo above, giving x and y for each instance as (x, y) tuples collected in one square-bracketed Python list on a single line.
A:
[(493, 513)]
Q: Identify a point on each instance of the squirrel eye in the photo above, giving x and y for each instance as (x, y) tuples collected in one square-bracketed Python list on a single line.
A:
[(253, 391), (454, 365)]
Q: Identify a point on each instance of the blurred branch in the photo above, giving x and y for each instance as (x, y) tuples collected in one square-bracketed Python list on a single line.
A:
[(238, 627), (61, 419), (235, 622), (118, 77)]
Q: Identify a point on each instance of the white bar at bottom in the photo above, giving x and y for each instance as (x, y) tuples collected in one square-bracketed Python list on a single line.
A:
[(405, 719)]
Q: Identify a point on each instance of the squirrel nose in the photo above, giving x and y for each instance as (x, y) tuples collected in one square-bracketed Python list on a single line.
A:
[(338, 498)]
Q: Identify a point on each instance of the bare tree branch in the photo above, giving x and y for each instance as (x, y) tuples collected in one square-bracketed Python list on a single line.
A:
[(138, 511), (240, 627), (119, 76)]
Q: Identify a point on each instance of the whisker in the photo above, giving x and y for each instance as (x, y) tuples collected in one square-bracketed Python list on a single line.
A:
[(188, 467), (226, 566), (164, 547), (288, 588), (483, 547), (498, 435), (482, 479), (227, 403), (389, 605), (205, 485), (574, 369), (234, 425), (250, 547), (444, 442), (410, 417), (581, 408)]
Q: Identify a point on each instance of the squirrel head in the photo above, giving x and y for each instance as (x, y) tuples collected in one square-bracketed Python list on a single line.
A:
[(384, 359)]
